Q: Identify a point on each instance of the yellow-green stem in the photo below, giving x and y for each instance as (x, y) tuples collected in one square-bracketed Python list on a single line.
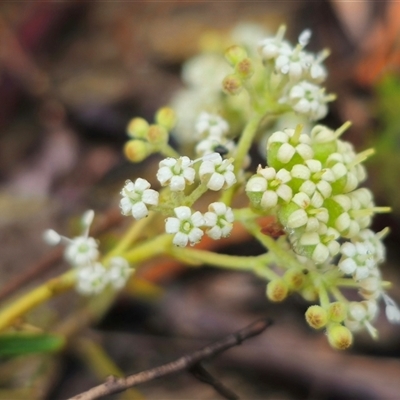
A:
[(284, 258), (149, 249), (169, 151), (37, 296), (129, 237), (220, 260)]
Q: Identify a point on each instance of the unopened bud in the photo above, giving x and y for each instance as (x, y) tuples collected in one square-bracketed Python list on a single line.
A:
[(337, 311), (295, 279), (316, 316), (235, 54), (157, 134), (137, 128), (245, 68), (232, 85), (166, 117), (339, 337), (137, 150), (277, 290)]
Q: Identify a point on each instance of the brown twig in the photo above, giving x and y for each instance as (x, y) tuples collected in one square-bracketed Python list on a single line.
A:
[(188, 361)]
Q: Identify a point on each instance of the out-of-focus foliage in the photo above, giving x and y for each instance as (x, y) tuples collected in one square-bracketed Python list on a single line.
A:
[(387, 159)]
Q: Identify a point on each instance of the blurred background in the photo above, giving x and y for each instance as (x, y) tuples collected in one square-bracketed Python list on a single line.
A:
[(72, 74)]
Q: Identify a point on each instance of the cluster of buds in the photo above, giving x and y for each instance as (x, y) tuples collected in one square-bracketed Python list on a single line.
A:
[(82, 252), (147, 139)]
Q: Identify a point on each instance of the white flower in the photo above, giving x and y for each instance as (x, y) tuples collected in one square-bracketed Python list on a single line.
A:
[(360, 315), (308, 99), (211, 125), (118, 272), (356, 260), (177, 173), (271, 48), (81, 250), (91, 279), (185, 226), (218, 219), (217, 173), (272, 184), (392, 310), (290, 144), (135, 198)]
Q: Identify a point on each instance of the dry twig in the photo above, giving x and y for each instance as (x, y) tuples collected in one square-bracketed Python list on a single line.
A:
[(187, 362)]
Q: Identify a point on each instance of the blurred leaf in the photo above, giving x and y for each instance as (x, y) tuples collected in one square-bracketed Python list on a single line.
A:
[(15, 344)]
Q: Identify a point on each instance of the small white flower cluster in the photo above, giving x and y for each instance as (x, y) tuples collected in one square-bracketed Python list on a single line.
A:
[(312, 182), (82, 253), (186, 226), (299, 74), (214, 172)]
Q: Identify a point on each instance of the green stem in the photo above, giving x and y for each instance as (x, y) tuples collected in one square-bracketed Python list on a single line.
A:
[(246, 140), (168, 151), (284, 258), (37, 296), (196, 194), (338, 295), (237, 263), (322, 294), (129, 237), (149, 249)]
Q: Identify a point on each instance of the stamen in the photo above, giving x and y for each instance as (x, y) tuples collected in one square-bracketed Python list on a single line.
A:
[(342, 129)]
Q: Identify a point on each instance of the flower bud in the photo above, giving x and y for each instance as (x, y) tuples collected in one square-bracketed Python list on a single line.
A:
[(137, 128), (157, 134), (316, 316), (277, 290), (137, 150), (245, 68), (339, 337), (309, 293), (294, 278), (166, 117), (337, 311), (235, 54), (232, 84)]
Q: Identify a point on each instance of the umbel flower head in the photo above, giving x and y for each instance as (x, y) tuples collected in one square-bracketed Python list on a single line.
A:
[(92, 277)]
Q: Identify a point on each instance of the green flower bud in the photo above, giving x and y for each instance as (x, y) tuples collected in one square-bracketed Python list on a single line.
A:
[(232, 85), (316, 316), (137, 150), (157, 134), (295, 279), (166, 117), (235, 54), (339, 337), (309, 293), (137, 128), (245, 68), (337, 311), (277, 290)]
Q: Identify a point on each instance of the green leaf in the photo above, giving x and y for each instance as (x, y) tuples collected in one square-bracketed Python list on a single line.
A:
[(15, 344)]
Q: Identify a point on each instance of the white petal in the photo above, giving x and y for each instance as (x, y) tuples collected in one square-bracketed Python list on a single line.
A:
[(172, 225), (180, 239), (139, 210)]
